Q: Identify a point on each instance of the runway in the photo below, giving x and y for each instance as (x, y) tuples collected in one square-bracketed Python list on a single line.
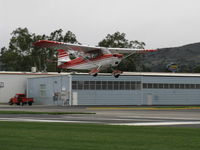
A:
[(131, 117)]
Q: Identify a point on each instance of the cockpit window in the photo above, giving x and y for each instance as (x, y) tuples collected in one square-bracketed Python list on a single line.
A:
[(105, 51)]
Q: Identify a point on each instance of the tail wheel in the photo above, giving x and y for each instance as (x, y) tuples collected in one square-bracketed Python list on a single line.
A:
[(117, 76), (59, 70), (10, 103), (94, 75)]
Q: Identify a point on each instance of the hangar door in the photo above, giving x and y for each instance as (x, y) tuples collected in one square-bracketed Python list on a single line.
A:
[(108, 92)]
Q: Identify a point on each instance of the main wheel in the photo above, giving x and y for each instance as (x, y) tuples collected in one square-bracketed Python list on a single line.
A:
[(59, 70), (94, 75), (117, 76)]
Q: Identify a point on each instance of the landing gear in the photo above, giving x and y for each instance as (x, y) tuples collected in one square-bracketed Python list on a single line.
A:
[(94, 75), (59, 70), (116, 73), (94, 72)]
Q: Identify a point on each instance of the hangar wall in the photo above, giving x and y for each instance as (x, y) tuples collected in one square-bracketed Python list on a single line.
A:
[(132, 89), (110, 92), (14, 82), (49, 90), (173, 90)]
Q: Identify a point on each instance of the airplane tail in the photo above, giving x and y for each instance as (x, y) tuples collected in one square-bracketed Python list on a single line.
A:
[(63, 56)]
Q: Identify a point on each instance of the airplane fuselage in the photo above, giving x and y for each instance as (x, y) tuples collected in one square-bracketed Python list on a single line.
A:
[(103, 61)]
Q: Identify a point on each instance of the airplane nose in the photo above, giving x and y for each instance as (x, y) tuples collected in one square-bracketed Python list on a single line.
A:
[(118, 55)]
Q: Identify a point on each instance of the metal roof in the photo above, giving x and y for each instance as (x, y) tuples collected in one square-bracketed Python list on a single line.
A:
[(105, 74), (29, 73)]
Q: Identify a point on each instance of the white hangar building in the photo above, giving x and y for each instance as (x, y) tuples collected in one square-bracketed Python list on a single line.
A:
[(15, 82), (128, 89)]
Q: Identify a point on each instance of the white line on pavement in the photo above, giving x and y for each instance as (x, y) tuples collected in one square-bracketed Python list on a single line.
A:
[(159, 123)]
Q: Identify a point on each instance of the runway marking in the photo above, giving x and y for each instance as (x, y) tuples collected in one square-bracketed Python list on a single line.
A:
[(129, 108), (39, 120), (127, 124), (146, 117), (158, 123)]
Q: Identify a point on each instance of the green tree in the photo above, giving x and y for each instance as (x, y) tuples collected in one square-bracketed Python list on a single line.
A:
[(119, 40), (21, 55), (14, 57)]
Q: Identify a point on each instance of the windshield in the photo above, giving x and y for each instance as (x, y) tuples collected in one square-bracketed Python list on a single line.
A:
[(105, 51)]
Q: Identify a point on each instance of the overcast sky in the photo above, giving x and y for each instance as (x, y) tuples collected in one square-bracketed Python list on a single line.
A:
[(158, 23)]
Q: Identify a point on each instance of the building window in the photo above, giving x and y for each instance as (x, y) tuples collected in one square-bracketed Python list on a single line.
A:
[(1, 84), (80, 85), (155, 85), (43, 90), (182, 86), (149, 85), (121, 85), (86, 85), (160, 86), (127, 85), (197, 86), (170, 86), (98, 85), (138, 85), (187, 86), (74, 85), (192, 86), (115, 85), (144, 85), (166, 86), (177, 86), (110, 85), (106, 85), (92, 85)]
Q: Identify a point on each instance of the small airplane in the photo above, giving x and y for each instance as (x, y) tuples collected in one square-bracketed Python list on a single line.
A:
[(89, 57)]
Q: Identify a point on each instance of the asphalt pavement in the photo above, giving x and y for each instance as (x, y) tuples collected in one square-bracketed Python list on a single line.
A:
[(131, 116)]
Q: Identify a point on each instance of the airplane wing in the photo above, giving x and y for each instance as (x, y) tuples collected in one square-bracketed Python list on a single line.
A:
[(86, 49), (129, 50), (66, 46)]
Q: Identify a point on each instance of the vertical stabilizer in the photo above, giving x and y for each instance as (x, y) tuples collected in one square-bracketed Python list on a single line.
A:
[(63, 56)]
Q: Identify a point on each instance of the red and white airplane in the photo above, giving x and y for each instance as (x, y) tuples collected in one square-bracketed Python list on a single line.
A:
[(89, 57)]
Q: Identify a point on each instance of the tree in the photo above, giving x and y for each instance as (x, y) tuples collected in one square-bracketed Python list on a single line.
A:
[(21, 55), (119, 40), (15, 56)]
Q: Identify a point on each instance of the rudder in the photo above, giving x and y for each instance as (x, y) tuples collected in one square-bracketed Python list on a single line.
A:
[(63, 56)]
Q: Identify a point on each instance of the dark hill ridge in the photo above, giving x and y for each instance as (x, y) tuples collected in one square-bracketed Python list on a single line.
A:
[(187, 57)]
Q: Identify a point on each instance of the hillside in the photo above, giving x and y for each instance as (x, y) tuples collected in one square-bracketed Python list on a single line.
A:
[(187, 58)]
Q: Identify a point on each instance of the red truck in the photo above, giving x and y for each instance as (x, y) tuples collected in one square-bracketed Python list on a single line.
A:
[(21, 99)]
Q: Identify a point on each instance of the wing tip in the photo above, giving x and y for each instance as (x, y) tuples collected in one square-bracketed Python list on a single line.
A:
[(44, 43)]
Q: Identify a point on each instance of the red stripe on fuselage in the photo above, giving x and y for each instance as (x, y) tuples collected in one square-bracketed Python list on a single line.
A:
[(81, 60), (59, 56)]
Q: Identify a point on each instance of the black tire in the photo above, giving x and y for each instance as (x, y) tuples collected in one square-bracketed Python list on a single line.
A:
[(10, 103), (94, 75), (117, 76), (59, 70), (30, 103)]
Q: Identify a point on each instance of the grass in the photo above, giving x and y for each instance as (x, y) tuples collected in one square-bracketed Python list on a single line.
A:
[(57, 136), (49, 113)]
